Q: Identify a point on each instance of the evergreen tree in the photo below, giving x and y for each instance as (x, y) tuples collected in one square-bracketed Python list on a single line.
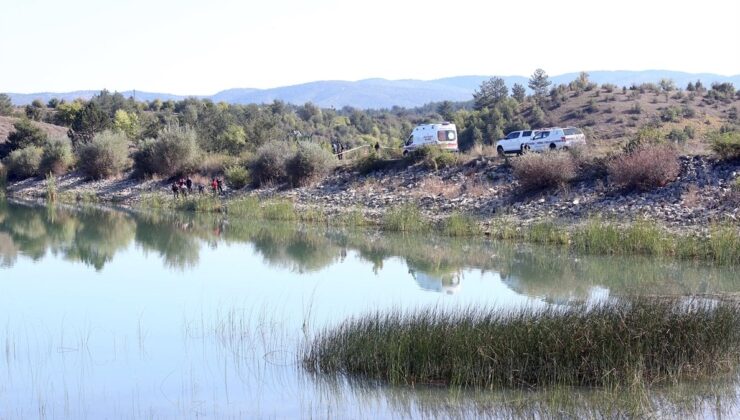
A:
[(90, 120), (518, 92), (6, 105), (539, 83), (26, 134), (491, 92)]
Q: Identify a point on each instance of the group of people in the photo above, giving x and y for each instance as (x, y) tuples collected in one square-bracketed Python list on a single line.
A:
[(185, 186)]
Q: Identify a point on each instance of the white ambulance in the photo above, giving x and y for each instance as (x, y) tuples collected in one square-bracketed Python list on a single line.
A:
[(443, 135)]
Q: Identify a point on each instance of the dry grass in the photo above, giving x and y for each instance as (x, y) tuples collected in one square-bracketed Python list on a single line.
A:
[(690, 198), (536, 171), (646, 168), (437, 187)]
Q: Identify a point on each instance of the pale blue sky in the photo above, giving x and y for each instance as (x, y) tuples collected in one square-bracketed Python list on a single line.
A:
[(201, 47)]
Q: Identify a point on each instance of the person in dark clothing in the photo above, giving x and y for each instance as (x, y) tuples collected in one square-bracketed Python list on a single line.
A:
[(377, 147), (201, 189), (220, 184), (189, 184), (175, 190), (340, 150)]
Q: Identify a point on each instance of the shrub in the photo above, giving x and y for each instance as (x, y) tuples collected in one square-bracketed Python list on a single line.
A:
[(678, 136), (310, 162), (236, 177), (671, 114), (645, 136), (431, 157), (371, 163), (726, 145), (269, 162), (24, 163), (646, 168), (26, 134), (175, 151), (536, 171), (104, 156), (57, 156)]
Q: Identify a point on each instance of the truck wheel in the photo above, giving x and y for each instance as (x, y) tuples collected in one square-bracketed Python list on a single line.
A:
[(525, 148), (500, 151), (405, 153), (553, 146)]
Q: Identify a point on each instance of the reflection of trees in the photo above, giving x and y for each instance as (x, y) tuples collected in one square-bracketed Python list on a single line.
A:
[(92, 236), (99, 236), (171, 238), (8, 250), (557, 273)]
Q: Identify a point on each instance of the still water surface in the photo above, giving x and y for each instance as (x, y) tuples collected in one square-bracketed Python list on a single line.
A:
[(113, 314)]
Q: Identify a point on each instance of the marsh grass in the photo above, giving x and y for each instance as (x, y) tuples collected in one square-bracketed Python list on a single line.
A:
[(51, 187), (279, 210), (458, 224), (199, 203), (643, 341), (353, 218), (245, 206), (405, 218), (547, 232)]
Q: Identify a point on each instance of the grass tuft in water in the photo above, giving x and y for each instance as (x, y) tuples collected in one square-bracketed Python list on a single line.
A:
[(405, 218), (51, 187), (458, 224), (643, 341), (279, 210)]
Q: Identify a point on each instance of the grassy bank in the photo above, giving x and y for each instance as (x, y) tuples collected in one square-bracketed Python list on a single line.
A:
[(638, 342)]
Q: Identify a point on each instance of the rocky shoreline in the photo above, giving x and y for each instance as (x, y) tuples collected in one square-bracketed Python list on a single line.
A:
[(485, 188)]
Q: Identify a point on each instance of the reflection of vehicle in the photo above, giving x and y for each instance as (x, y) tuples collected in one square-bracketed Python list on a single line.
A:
[(447, 283), (443, 135), (514, 142)]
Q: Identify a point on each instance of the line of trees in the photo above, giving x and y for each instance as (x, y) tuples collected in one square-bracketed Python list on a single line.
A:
[(173, 137)]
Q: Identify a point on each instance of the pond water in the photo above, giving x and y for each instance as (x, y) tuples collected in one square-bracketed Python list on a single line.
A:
[(108, 313)]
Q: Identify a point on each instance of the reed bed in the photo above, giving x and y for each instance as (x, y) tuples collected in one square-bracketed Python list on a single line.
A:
[(642, 341)]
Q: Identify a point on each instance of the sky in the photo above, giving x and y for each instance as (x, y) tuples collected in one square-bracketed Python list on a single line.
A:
[(202, 47)]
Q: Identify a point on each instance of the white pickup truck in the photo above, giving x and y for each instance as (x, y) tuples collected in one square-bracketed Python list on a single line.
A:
[(515, 142), (540, 139), (556, 138)]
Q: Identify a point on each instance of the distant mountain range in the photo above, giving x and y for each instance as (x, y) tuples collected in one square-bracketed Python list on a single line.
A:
[(382, 93)]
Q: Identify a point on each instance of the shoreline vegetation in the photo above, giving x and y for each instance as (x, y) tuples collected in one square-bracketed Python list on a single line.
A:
[(634, 342), (595, 235)]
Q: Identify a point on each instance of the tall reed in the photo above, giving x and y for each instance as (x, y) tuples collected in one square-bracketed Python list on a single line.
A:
[(642, 341)]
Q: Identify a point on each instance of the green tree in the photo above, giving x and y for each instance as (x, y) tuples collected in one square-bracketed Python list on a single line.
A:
[(127, 123), (232, 140), (667, 85), (446, 110), (26, 134), (490, 93), (89, 121), (518, 92), (53, 103), (6, 105), (539, 83), (34, 113), (67, 112)]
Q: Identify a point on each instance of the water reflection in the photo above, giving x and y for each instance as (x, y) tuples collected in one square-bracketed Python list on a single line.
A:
[(95, 235)]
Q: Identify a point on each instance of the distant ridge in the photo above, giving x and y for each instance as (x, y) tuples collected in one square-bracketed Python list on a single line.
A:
[(382, 93)]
